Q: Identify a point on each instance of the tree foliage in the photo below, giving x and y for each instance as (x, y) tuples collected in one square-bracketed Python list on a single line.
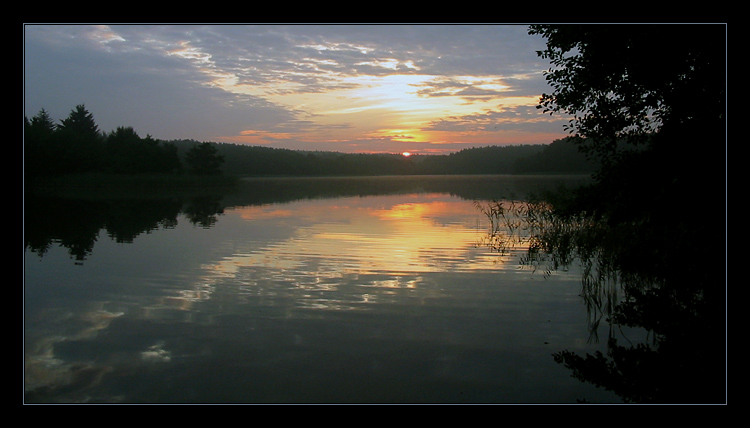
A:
[(559, 157), (129, 153), (627, 82), (76, 145), (648, 103), (81, 135), (39, 145), (204, 159)]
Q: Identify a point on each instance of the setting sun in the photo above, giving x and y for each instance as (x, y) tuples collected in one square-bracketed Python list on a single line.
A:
[(406, 154)]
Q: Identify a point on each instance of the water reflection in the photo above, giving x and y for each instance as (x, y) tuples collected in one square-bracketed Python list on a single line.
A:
[(73, 220), (424, 234), (623, 288), (354, 252), (76, 223), (382, 297)]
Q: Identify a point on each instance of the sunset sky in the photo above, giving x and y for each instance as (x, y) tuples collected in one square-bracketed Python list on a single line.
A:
[(348, 88)]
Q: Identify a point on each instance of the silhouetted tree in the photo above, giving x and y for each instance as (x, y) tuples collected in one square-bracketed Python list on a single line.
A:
[(126, 152), (81, 140), (41, 126), (169, 159), (648, 102), (39, 145), (122, 147), (560, 156), (204, 159), (77, 146), (625, 82)]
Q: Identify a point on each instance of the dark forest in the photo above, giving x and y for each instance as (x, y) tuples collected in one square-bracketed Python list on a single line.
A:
[(76, 146)]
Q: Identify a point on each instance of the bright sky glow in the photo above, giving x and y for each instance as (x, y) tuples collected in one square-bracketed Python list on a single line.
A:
[(358, 88)]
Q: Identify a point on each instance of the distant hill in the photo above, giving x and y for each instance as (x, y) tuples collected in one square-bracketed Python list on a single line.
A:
[(561, 156)]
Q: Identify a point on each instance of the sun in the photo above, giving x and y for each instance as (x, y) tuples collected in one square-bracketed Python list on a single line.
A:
[(406, 154)]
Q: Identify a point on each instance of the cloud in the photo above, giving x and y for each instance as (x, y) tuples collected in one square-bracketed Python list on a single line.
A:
[(469, 88), (151, 84), (286, 84), (525, 118)]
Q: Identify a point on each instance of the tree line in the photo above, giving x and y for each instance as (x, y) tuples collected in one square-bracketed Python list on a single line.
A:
[(560, 156), (76, 145)]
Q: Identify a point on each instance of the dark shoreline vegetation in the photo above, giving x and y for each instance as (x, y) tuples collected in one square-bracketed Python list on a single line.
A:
[(76, 154)]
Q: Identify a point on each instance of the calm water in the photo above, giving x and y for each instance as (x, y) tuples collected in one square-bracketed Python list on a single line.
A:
[(295, 291)]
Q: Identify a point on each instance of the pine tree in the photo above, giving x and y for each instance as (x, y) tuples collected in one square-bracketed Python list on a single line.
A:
[(82, 141), (39, 148)]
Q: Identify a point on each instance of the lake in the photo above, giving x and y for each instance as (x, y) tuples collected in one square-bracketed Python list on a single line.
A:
[(341, 290)]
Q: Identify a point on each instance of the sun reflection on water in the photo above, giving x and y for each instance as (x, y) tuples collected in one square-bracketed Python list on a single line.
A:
[(352, 253)]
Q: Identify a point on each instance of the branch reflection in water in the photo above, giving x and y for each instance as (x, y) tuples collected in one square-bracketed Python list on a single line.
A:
[(554, 243), (626, 292)]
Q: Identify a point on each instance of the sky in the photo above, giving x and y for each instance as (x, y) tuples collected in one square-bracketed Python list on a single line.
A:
[(419, 88)]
